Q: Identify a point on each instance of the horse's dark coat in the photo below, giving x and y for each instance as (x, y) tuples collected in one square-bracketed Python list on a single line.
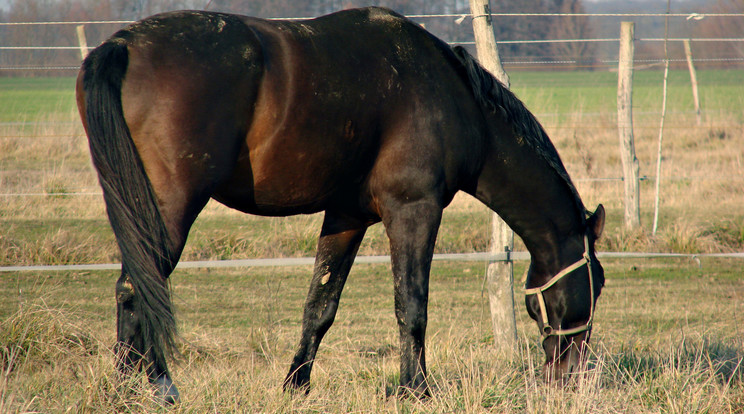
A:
[(361, 114)]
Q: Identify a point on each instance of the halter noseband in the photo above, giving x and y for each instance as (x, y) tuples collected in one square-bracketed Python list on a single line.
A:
[(547, 329)]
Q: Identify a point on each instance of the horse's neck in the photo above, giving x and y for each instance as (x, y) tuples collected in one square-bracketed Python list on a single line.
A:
[(552, 248), (535, 200), (552, 239)]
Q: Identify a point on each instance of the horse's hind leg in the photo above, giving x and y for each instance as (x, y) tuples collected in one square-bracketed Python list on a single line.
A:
[(337, 247), (145, 322)]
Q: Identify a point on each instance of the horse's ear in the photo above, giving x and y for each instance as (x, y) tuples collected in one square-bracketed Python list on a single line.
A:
[(596, 221)]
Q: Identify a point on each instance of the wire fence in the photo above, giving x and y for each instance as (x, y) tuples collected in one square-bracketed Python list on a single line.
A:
[(70, 52), (95, 193), (453, 42), (454, 18), (459, 19)]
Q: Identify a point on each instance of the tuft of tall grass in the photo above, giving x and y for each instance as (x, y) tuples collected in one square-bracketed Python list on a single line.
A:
[(42, 334), (624, 240), (50, 350), (681, 236), (692, 375), (728, 233)]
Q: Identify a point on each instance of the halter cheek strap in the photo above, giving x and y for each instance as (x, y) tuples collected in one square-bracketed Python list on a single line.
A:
[(547, 328)]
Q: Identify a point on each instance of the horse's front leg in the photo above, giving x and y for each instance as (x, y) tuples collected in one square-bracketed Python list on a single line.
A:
[(412, 229), (337, 246)]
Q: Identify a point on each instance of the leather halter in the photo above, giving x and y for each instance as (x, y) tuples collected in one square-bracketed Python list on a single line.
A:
[(547, 329)]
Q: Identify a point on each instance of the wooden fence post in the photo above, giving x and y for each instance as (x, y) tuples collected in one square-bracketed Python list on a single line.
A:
[(632, 217), (500, 275), (82, 41), (693, 80), (485, 40)]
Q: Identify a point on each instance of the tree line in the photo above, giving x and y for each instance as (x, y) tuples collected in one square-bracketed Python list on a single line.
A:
[(450, 29)]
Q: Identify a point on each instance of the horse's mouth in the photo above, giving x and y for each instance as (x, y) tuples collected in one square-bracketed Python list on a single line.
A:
[(561, 366)]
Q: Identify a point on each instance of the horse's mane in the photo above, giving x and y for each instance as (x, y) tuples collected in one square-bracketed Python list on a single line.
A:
[(491, 94)]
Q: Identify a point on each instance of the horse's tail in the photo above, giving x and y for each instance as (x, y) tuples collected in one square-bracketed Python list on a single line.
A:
[(147, 252)]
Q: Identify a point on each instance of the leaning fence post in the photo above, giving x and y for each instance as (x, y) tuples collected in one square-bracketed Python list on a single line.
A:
[(82, 41), (500, 274), (693, 80), (632, 217)]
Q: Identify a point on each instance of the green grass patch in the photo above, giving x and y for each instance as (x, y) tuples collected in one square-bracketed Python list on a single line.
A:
[(33, 99), (30, 100), (595, 93)]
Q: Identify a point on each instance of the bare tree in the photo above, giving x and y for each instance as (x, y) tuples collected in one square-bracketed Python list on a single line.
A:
[(523, 28), (572, 27), (507, 28), (721, 27)]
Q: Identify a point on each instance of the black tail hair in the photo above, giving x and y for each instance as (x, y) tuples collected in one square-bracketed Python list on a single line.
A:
[(491, 94), (146, 249)]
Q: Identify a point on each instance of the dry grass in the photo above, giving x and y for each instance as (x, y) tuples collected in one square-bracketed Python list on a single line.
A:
[(238, 334)]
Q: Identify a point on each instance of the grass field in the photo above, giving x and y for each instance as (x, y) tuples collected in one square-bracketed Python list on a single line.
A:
[(668, 339), (668, 334)]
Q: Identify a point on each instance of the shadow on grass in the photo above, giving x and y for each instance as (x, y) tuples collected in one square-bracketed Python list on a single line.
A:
[(705, 358)]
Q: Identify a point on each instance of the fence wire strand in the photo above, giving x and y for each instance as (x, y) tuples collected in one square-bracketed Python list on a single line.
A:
[(688, 16), (308, 261)]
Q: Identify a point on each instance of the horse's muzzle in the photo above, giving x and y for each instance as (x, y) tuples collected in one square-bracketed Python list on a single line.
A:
[(565, 357)]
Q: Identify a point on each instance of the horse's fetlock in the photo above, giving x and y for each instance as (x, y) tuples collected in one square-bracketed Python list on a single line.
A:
[(124, 290)]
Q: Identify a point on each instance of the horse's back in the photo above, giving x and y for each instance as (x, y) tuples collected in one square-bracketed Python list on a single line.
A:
[(283, 117), (374, 99)]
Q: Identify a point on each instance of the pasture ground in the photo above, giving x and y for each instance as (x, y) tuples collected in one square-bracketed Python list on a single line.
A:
[(668, 334), (668, 338)]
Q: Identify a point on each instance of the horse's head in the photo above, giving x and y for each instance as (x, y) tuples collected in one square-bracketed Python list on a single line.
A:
[(563, 304)]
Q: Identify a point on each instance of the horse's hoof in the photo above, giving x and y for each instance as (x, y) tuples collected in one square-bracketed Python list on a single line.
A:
[(421, 393), (295, 387), (165, 390)]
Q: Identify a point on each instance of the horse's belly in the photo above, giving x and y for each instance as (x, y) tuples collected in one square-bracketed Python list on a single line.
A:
[(283, 191), (297, 167)]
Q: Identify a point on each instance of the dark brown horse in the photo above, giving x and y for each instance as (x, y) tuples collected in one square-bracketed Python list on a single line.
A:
[(361, 114)]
